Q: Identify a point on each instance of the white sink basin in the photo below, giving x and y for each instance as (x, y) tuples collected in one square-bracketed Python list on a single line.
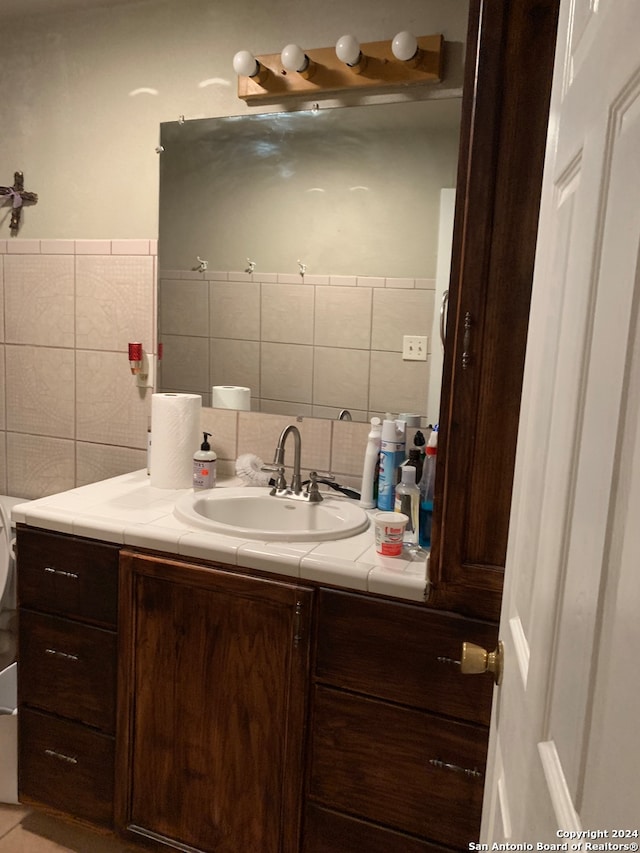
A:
[(252, 513)]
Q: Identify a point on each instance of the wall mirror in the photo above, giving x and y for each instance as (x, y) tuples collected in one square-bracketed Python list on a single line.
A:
[(298, 253)]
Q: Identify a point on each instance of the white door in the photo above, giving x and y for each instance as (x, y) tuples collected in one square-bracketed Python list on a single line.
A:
[(564, 754)]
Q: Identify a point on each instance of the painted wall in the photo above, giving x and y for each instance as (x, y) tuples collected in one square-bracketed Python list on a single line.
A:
[(83, 95)]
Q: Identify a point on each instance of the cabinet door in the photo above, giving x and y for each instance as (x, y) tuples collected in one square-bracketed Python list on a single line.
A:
[(510, 51), (212, 706)]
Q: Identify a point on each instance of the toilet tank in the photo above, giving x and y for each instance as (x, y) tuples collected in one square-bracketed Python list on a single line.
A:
[(7, 533)]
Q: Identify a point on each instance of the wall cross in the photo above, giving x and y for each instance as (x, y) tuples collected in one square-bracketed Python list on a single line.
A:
[(18, 197)]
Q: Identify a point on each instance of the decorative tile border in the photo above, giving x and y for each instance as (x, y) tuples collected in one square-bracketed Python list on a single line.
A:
[(78, 247), (294, 278)]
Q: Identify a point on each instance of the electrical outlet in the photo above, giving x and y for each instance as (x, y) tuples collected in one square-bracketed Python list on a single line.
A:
[(414, 348)]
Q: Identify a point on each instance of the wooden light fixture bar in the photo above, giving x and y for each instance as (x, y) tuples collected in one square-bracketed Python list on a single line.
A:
[(327, 74)]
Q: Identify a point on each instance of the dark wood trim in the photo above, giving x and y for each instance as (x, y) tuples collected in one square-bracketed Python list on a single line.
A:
[(508, 72)]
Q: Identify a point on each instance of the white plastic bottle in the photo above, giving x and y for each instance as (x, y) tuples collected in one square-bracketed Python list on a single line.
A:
[(392, 446), (204, 465), (369, 488), (408, 501)]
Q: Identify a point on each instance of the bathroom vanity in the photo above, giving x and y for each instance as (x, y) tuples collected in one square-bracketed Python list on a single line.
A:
[(242, 697), (211, 706)]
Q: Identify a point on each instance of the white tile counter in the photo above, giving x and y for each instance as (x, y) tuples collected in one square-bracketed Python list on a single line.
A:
[(127, 510)]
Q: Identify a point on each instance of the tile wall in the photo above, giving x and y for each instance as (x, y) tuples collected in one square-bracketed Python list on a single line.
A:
[(312, 344), (70, 411)]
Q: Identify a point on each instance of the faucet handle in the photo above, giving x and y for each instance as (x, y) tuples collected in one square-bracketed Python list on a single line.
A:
[(313, 492), (281, 483)]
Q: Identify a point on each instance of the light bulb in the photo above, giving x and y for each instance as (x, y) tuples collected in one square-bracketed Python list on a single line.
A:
[(348, 49), (294, 58), (404, 46), (245, 64)]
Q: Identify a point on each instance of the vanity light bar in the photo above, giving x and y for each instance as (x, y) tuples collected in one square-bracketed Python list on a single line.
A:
[(326, 74)]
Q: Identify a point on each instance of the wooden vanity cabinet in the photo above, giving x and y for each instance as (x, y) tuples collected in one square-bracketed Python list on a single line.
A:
[(398, 737), (67, 664), (212, 709), (508, 71)]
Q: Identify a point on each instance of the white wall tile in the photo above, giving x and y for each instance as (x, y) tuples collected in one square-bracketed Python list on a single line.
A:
[(40, 391), (399, 386), (185, 364), (1, 299), (235, 363), (3, 464), (36, 469), (130, 247), (397, 313), (57, 247), (287, 313), (183, 307), (335, 386), (286, 372), (223, 426), (110, 408), (343, 317), (96, 462), (114, 302), (235, 310), (93, 247), (349, 441), (3, 386), (39, 306), (23, 247)]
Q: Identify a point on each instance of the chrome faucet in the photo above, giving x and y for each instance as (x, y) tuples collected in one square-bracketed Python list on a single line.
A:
[(278, 461)]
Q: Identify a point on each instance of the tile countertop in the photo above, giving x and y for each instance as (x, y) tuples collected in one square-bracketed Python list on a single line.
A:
[(127, 510)]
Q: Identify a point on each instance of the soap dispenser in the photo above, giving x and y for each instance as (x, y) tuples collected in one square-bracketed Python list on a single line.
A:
[(204, 465)]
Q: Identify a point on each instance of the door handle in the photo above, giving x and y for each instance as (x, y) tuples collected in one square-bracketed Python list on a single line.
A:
[(476, 660)]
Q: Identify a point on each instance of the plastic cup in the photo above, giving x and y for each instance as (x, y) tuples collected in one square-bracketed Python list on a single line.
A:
[(389, 529)]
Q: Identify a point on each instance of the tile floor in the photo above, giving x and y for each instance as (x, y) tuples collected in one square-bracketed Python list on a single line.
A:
[(26, 831)]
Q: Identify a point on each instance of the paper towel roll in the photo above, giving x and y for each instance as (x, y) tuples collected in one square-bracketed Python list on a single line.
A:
[(175, 437), (231, 397)]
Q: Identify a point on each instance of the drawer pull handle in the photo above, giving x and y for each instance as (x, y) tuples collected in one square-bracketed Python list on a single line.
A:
[(60, 755), (448, 661), (65, 655), (62, 573), (455, 768), (298, 624)]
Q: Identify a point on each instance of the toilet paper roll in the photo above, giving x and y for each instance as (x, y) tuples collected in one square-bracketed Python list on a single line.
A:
[(175, 437), (231, 397)]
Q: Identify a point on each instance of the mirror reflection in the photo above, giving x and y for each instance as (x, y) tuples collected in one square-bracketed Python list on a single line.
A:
[(303, 256)]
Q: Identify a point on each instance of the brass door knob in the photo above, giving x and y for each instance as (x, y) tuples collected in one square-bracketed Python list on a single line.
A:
[(475, 660)]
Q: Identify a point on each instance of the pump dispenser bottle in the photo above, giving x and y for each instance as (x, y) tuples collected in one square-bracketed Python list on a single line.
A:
[(204, 465)]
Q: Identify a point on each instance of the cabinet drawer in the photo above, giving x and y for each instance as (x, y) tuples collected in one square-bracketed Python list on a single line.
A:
[(399, 767), (67, 668), (402, 653), (65, 766), (70, 576), (329, 832)]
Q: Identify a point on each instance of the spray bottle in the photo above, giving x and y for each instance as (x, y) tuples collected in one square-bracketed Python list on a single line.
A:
[(427, 482), (392, 449), (369, 488)]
